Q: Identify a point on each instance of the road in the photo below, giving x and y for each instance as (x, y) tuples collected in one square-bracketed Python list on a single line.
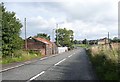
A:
[(72, 65)]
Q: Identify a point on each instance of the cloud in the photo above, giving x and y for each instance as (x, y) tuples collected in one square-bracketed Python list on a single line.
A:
[(90, 31), (88, 19), (89, 11)]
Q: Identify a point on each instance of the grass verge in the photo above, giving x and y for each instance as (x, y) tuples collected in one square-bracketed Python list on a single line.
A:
[(82, 45), (20, 56), (105, 63)]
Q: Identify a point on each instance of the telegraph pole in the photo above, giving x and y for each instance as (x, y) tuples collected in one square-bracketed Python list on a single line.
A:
[(53, 35), (25, 34), (57, 33), (108, 38)]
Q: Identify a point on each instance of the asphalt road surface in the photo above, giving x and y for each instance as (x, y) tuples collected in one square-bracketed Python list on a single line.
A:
[(72, 65)]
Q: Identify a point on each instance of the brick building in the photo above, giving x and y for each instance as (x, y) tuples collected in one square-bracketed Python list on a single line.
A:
[(46, 47)]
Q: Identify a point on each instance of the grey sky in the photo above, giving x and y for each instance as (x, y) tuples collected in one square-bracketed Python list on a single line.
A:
[(90, 19)]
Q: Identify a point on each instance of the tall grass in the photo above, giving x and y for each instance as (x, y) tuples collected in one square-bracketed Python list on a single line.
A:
[(19, 56), (105, 61)]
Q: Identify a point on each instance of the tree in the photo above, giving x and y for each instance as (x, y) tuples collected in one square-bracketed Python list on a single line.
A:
[(75, 41), (64, 37), (84, 41), (115, 39), (43, 35), (10, 32)]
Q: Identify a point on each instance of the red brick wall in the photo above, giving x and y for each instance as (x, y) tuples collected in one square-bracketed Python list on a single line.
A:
[(35, 45), (45, 49)]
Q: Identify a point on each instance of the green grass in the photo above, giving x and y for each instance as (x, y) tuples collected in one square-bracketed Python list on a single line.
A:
[(105, 62), (20, 56), (82, 45)]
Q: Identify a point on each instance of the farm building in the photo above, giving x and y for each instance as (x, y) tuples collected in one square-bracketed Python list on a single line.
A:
[(46, 47), (103, 41)]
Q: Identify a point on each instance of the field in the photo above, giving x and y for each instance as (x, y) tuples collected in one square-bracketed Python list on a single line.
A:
[(105, 60)]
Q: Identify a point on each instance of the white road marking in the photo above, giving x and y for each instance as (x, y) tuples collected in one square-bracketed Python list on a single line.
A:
[(48, 57), (12, 67), (43, 58), (70, 56), (37, 75), (60, 61), (25, 63)]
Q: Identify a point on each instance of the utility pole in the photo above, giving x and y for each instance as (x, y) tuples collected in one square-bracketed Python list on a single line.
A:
[(53, 35), (25, 34), (108, 38), (57, 33)]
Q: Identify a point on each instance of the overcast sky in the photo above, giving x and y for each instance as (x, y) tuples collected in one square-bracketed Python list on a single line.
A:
[(91, 19)]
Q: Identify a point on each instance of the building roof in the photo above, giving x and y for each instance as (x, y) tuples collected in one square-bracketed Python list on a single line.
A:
[(43, 40), (103, 39)]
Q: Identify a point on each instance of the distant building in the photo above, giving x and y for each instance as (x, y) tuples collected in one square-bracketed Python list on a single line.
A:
[(93, 42), (103, 41), (46, 47)]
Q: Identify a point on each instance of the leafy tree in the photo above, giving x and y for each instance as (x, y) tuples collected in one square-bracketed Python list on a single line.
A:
[(64, 37), (84, 41), (115, 39), (10, 32), (43, 35), (75, 41)]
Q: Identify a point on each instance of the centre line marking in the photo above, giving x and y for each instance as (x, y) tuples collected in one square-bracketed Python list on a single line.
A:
[(70, 56), (60, 61), (37, 75)]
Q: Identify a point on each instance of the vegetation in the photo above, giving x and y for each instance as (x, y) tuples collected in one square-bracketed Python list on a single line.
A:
[(105, 62), (64, 37), (115, 39), (21, 56), (43, 35), (12, 44), (82, 45), (10, 33), (85, 41), (77, 42)]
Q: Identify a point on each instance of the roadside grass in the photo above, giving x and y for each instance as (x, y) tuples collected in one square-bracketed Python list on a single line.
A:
[(20, 56), (82, 45), (105, 62)]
